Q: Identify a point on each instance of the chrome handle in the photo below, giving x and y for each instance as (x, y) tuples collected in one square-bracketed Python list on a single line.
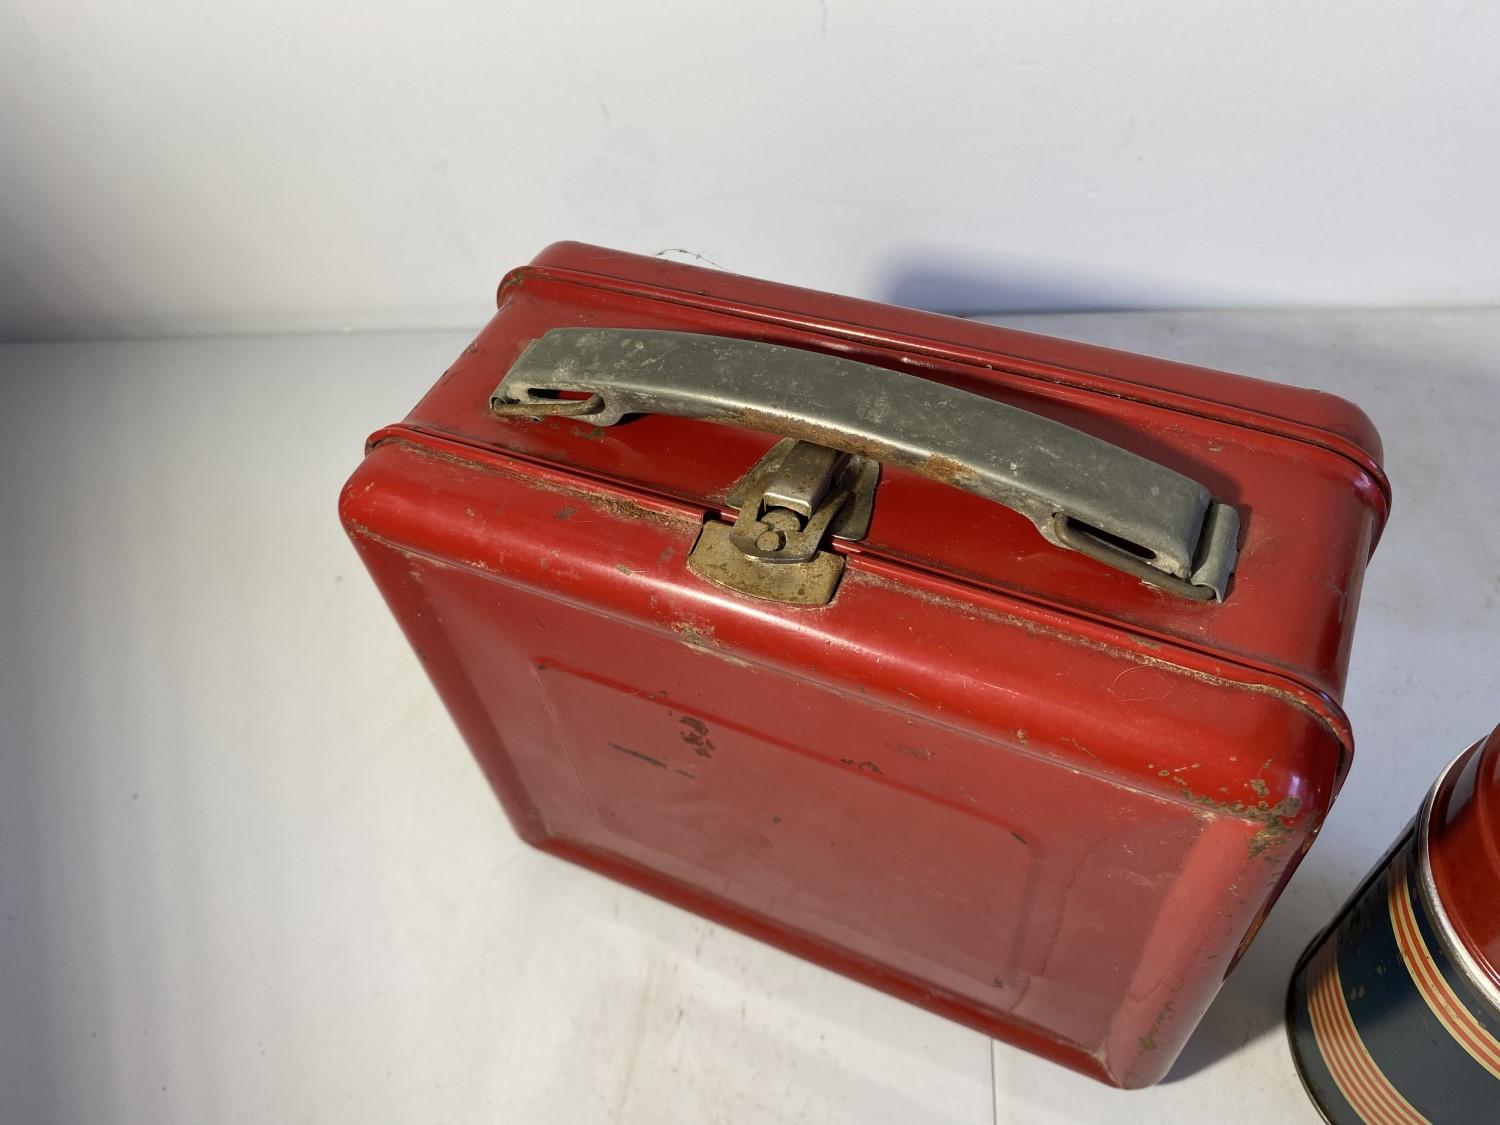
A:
[(1081, 492)]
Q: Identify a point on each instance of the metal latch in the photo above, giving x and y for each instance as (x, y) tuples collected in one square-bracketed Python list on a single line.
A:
[(790, 502)]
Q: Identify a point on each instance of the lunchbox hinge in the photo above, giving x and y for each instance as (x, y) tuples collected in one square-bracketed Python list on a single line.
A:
[(790, 503)]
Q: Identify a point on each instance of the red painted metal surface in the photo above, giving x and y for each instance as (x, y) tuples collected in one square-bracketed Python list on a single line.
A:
[(1463, 842), (991, 777)]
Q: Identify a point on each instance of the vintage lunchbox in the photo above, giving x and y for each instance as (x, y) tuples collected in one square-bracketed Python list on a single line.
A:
[(997, 672)]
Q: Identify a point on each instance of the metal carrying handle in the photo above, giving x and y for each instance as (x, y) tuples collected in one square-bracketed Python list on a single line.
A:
[(1081, 492)]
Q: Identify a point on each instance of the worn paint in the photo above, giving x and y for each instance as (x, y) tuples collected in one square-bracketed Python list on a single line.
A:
[(1148, 1041), (1081, 748), (618, 506)]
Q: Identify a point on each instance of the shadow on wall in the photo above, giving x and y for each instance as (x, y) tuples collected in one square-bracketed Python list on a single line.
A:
[(945, 281)]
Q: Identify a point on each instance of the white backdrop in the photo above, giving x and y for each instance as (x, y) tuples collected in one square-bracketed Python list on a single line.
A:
[(172, 166)]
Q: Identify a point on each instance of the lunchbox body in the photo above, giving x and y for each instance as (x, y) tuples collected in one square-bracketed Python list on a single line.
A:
[(988, 776)]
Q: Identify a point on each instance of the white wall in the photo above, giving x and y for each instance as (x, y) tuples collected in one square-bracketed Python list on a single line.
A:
[(179, 166)]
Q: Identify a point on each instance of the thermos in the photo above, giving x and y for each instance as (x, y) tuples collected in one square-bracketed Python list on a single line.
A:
[(1394, 1011)]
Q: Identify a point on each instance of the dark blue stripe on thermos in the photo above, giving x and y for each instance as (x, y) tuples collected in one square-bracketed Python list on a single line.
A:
[(1407, 1042), (1404, 1036)]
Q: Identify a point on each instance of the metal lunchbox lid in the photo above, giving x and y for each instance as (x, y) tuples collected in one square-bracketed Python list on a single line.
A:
[(1300, 467)]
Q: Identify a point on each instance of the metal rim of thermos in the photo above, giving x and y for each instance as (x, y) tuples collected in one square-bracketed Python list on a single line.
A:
[(1453, 945)]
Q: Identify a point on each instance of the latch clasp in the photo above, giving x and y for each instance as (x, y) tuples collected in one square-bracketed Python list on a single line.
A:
[(790, 502)]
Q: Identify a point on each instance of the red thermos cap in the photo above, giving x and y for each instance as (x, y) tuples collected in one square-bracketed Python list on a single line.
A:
[(1463, 839)]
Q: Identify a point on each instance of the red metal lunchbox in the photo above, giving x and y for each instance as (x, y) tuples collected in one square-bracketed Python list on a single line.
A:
[(997, 672)]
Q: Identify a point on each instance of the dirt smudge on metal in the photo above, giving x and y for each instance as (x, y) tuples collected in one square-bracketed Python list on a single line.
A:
[(695, 734), (636, 754)]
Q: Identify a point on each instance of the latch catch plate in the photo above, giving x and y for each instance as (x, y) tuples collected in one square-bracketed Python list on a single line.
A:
[(790, 502)]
